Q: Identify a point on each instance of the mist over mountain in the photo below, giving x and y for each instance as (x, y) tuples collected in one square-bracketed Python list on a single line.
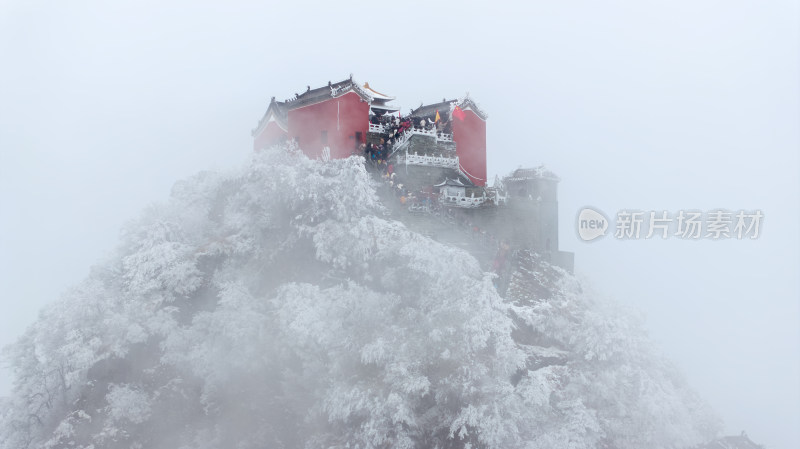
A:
[(279, 306)]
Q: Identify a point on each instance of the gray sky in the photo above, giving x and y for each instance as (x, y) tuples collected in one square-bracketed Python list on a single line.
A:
[(647, 105)]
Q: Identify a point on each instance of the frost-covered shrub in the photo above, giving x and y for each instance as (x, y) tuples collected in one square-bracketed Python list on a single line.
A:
[(274, 307)]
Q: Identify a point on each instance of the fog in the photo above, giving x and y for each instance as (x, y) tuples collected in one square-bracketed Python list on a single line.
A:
[(686, 105)]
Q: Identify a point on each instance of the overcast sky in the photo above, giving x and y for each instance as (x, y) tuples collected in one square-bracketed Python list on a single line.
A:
[(644, 105)]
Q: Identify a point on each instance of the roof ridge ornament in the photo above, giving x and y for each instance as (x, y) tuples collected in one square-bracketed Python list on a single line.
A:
[(352, 85), (467, 101)]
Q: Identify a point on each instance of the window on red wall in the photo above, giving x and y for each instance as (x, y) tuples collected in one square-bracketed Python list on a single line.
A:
[(323, 137)]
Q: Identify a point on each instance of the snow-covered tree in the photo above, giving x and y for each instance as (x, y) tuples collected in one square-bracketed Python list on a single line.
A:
[(275, 306)]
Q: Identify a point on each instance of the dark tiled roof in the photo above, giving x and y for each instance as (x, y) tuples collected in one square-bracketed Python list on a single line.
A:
[(540, 172), (333, 90), (732, 442), (451, 182), (467, 102), (311, 96), (280, 109), (276, 109), (429, 110)]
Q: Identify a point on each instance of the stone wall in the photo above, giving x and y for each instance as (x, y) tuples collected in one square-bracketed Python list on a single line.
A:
[(418, 177), (480, 230), (429, 146), (528, 221)]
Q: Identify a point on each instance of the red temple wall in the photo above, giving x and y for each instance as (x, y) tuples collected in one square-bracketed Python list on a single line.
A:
[(342, 118), (470, 137)]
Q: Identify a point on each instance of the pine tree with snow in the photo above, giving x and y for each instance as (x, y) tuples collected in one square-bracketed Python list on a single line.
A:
[(274, 306)]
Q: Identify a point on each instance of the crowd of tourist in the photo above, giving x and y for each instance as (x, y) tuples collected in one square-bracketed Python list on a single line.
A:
[(395, 126), (378, 153)]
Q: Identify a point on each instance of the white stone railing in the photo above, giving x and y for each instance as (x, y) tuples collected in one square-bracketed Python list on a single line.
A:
[(461, 201), (402, 140), (431, 161), (442, 137), (424, 132), (405, 135)]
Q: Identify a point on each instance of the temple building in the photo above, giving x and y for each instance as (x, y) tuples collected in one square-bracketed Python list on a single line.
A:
[(335, 116), (338, 117), (434, 158)]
